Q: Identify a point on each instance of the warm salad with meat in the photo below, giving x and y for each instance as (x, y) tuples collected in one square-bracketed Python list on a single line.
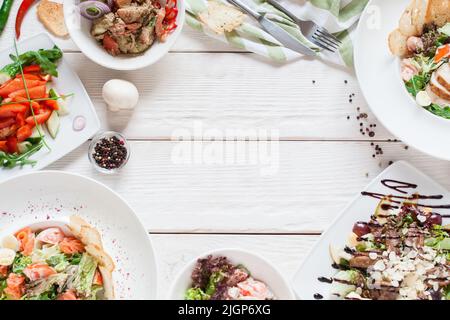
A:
[(402, 252), (28, 105), (130, 26), (215, 278), (55, 264), (423, 42)]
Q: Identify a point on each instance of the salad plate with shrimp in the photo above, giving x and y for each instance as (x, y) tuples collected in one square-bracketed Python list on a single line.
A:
[(55, 260), (402, 51), (72, 238)]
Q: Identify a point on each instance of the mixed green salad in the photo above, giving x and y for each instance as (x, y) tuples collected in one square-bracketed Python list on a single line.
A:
[(402, 252), (216, 278), (426, 72), (48, 264)]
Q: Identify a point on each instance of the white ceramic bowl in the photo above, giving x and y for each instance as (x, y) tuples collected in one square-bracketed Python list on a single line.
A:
[(79, 29), (260, 268), (45, 198)]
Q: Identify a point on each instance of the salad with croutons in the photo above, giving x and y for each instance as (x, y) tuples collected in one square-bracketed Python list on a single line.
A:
[(60, 262)]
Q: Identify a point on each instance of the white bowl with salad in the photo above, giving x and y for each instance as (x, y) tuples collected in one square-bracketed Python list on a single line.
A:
[(230, 274), (401, 62), (124, 34)]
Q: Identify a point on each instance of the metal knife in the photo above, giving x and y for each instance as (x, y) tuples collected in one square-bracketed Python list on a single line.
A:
[(275, 30)]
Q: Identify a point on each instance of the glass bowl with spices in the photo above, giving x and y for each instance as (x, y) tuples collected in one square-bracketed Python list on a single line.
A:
[(109, 152)]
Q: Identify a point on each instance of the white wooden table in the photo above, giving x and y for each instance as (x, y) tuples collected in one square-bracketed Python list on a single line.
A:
[(188, 208)]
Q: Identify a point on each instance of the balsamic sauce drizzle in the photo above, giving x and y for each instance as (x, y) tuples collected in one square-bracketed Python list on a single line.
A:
[(398, 186)]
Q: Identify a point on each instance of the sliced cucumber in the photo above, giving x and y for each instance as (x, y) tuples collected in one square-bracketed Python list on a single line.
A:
[(24, 146), (35, 133), (63, 102), (4, 77), (53, 124)]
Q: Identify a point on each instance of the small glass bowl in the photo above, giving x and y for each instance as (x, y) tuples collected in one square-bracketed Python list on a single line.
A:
[(96, 139)]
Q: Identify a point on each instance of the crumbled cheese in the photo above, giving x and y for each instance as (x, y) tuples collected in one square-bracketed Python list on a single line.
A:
[(379, 265), (373, 255)]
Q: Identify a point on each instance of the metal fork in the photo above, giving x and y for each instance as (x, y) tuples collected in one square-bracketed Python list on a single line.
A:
[(313, 32)]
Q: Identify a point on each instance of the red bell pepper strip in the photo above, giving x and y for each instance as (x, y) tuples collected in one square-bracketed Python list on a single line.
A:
[(40, 118), (11, 110), (3, 147), (11, 144), (38, 92), (23, 9), (34, 68), (24, 133)]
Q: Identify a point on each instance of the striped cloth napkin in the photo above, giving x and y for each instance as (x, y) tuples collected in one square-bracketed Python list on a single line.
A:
[(337, 16)]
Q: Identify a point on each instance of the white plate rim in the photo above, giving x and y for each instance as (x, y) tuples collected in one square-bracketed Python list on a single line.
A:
[(133, 215), (172, 292), (374, 181), (396, 130)]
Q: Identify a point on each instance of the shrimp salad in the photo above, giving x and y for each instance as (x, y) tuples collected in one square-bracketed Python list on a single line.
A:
[(52, 264), (215, 278), (402, 252)]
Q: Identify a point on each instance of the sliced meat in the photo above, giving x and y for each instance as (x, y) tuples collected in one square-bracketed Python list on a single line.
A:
[(435, 98), (443, 76), (131, 14), (361, 262), (101, 25), (388, 293), (439, 89)]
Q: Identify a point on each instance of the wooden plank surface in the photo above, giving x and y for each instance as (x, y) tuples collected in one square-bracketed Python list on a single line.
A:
[(298, 187), (179, 93), (173, 252)]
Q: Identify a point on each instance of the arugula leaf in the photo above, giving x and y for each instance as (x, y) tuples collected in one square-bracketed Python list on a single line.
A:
[(13, 160), (436, 109), (44, 58), (20, 263), (417, 84)]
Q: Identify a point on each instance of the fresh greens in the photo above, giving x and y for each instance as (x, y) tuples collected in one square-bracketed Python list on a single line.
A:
[(44, 58), (74, 259), (58, 262), (20, 263), (85, 275), (436, 109), (2, 287), (196, 294), (13, 160), (214, 280)]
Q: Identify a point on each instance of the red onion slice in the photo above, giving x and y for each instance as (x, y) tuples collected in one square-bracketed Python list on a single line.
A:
[(93, 9)]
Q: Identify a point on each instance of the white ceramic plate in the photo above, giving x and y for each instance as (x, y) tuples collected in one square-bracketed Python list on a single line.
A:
[(380, 81), (318, 262), (259, 267), (53, 196), (79, 29), (67, 82)]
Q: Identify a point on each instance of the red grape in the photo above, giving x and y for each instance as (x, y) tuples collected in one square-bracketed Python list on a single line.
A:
[(361, 228), (435, 218)]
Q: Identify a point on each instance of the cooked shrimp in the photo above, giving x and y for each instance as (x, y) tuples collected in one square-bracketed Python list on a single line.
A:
[(38, 271), (70, 245), (51, 236), (15, 286)]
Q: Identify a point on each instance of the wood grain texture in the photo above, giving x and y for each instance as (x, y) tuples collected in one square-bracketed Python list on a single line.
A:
[(173, 252), (249, 94), (313, 183)]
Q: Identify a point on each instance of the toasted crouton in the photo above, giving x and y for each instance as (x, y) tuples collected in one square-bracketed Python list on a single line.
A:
[(221, 18), (52, 17), (397, 43)]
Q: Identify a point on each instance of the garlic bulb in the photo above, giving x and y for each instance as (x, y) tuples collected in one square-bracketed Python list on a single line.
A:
[(120, 94)]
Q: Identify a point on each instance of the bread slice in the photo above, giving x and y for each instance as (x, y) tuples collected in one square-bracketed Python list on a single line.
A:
[(221, 18), (406, 25), (397, 43), (418, 18), (52, 17), (438, 12)]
